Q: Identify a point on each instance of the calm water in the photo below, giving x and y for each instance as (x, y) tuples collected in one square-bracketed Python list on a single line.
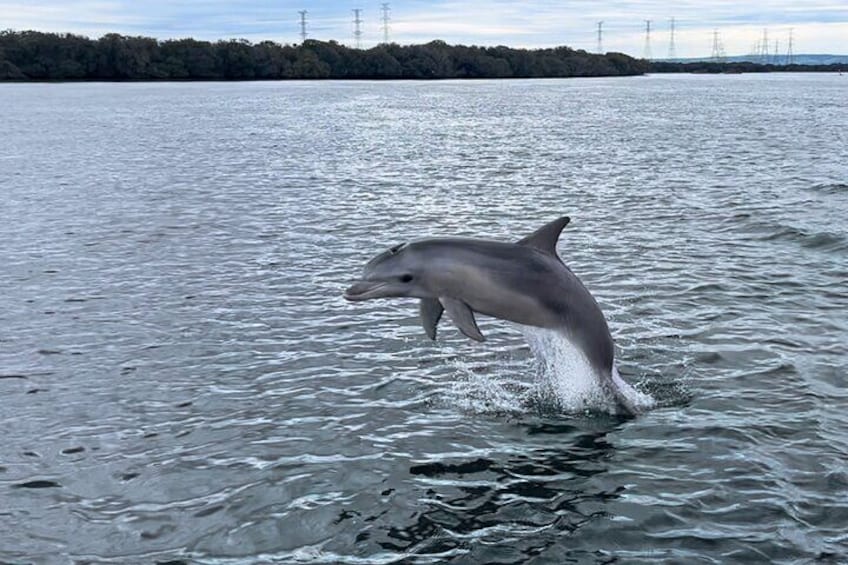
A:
[(182, 381)]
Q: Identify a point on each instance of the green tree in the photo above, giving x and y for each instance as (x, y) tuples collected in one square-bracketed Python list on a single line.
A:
[(126, 57), (308, 65), (198, 59), (236, 59), (270, 61), (379, 63)]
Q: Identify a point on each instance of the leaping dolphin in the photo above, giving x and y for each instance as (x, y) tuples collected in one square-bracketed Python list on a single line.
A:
[(524, 282)]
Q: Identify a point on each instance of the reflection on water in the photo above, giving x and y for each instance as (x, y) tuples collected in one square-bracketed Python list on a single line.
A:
[(181, 380), (541, 494)]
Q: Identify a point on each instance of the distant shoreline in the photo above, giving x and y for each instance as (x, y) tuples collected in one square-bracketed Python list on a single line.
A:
[(740, 67), (32, 56), (395, 79)]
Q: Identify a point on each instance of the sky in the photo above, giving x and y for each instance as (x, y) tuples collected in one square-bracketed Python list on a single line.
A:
[(817, 26)]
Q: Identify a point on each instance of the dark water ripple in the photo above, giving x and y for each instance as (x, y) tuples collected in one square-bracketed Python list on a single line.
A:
[(182, 382)]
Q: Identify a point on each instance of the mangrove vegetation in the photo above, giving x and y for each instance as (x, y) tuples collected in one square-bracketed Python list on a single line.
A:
[(38, 56), (32, 55)]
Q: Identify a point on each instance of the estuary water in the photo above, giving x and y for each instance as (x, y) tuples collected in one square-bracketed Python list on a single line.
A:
[(182, 382)]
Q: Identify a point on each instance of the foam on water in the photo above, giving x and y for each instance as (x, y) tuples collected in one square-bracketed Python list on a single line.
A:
[(565, 372), (486, 393), (562, 380)]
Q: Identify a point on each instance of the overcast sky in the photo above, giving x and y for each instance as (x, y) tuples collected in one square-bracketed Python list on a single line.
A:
[(819, 26)]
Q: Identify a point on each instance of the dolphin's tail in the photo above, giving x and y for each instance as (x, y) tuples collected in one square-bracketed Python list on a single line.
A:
[(629, 400)]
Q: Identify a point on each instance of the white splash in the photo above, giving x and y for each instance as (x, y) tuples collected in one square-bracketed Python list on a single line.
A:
[(565, 372), (481, 390), (563, 381)]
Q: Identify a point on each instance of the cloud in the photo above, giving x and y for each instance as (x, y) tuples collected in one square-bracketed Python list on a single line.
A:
[(820, 25)]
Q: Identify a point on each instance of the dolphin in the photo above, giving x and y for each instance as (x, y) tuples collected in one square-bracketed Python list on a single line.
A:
[(524, 282)]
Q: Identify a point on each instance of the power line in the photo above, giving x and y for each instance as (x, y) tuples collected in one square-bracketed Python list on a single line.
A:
[(302, 25), (357, 27), (385, 9), (672, 49)]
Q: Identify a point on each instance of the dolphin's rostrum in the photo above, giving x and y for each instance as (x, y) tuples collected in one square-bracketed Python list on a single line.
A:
[(524, 282)]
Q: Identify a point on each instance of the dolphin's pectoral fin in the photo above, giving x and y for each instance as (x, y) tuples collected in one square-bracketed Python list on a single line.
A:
[(463, 317), (545, 238), (431, 312)]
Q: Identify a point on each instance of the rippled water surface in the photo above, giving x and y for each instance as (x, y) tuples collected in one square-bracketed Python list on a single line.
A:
[(181, 380)]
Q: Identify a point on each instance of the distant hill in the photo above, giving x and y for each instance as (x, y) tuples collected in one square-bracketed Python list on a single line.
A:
[(802, 59)]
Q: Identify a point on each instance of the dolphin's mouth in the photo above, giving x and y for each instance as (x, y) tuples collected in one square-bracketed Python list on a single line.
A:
[(363, 290)]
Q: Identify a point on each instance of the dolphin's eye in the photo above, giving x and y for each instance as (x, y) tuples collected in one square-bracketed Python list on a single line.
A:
[(406, 278)]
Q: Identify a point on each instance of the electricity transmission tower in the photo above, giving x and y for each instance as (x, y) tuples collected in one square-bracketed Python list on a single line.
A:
[(790, 56), (764, 47), (600, 48), (672, 49), (357, 27), (302, 25), (385, 9), (717, 55), (647, 55)]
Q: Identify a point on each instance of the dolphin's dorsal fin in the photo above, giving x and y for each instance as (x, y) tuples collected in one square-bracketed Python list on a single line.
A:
[(545, 238), (431, 312), (463, 317)]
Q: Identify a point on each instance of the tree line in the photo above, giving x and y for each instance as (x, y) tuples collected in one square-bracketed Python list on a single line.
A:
[(37, 56)]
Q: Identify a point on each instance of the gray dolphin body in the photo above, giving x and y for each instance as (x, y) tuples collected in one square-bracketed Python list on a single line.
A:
[(524, 282)]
